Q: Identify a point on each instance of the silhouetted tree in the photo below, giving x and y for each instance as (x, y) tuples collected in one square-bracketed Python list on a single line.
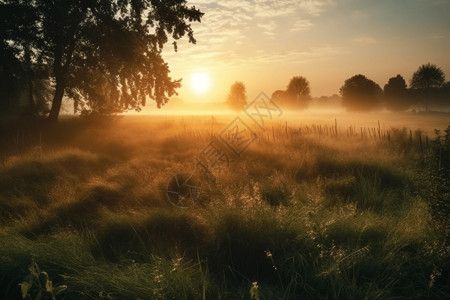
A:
[(425, 79), (280, 96), (360, 94), (11, 72), (396, 94), (298, 91), (104, 54), (17, 71), (237, 98), (428, 76), (333, 101)]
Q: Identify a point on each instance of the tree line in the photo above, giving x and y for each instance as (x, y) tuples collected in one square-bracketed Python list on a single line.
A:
[(359, 93), (427, 87)]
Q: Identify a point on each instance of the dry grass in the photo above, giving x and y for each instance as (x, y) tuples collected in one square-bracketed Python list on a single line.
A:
[(305, 213)]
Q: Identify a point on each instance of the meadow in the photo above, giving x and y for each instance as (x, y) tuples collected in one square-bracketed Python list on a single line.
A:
[(343, 208)]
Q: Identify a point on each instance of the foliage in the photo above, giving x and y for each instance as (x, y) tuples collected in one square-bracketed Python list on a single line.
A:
[(10, 87), (428, 76), (280, 96), (23, 84), (37, 285), (360, 94), (298, 91), (396, 95), (104, 55), (428, 87), (237, 97), (437, 183)]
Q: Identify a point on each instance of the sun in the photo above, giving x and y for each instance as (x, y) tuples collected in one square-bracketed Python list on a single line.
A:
[(200, 82)]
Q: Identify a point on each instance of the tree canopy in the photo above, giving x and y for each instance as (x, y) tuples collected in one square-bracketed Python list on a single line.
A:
[(105, 55), (279, 96), (360, 93), (298, 91), (237, 98), (396, 94), (428, 76)]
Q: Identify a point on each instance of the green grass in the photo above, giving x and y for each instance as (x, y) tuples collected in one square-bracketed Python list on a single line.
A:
[(300, 216)]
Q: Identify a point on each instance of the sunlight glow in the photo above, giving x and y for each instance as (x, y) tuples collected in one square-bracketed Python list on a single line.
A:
[(200, 82)]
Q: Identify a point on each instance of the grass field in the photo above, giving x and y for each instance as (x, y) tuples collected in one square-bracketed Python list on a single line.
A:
[(314, 209)]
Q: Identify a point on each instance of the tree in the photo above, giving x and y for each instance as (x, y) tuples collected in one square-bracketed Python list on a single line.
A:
[(396, 94), (280, 96), (298, 91), (106, 55), (425, 79), (360, 94), (237, 98), (17, 71), (428, 76)]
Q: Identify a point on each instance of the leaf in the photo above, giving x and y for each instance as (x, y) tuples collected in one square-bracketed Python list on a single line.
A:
[(43, 279), (59, 289), (34, 269), (49, 286), (254, 291), (25, 287)]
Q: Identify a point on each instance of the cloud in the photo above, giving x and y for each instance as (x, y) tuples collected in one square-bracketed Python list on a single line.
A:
[(265, 8), (229, 21), (268, 27), (365, 40), (293, 56), (315, 7), (301, 25), (230, 30)]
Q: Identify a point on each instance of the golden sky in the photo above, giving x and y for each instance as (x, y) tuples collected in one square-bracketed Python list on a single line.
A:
[(264, 43)]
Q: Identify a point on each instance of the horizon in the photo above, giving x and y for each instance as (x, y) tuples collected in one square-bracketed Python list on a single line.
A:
[(325, 41)]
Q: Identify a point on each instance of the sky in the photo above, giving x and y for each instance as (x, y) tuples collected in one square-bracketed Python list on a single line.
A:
[(264, 43)]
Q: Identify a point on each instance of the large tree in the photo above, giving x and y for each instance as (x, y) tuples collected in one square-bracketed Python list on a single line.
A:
[(106, 55), (237, 98), (426, 80), (360, 94), (298, 91), (428, 76), (396, 94)]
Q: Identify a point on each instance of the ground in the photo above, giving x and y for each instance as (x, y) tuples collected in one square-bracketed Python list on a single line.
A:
[(311, 207)]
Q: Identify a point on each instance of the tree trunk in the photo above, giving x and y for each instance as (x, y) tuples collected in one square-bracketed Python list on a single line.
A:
[(57, 100), (61, 71)]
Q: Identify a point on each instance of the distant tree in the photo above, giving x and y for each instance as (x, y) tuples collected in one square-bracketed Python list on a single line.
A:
[(333, 101), (105, 55), (428, 76), (237, 98), (426, 80), (443, 97), (298, 91), (396, 94), (280, 96), (360, 94)]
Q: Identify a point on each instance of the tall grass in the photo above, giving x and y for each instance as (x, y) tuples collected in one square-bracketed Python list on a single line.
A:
[(301, 215)]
